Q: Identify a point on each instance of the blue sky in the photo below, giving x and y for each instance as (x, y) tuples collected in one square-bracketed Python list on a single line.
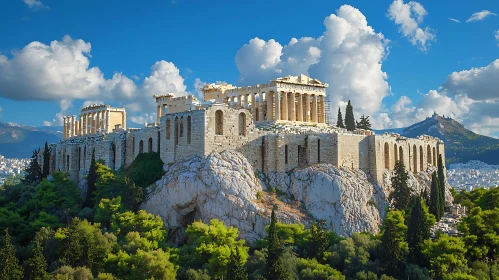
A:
[(137, 48)]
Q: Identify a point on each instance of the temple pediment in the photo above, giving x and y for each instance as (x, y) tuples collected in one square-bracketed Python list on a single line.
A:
[(302, 80)]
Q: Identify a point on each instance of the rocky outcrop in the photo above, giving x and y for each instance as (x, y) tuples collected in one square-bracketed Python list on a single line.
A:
[(224, 186)]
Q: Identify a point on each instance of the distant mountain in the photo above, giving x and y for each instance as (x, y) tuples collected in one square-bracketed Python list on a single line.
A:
[(20, 141), (461, 144)]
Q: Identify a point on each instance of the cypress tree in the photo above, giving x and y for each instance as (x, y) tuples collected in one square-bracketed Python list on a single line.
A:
[(393, 244), (401, 194), (9, 264), (435, 197), (441, 181), (235, 268), (275, 250), (418, 231), (46, 161), (37, 265), (91, 180), (349, 118), (33, 171), (339, 122)]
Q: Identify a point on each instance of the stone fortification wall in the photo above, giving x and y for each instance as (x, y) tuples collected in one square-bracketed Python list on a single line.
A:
[(268, 148)]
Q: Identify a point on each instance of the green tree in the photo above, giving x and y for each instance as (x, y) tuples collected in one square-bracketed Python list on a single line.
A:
[(446, 255), (418, 230), (9, 264), (36, 266), (441, 183), (210, 246), (33, 171), (46, 161), (83, 244), (142, 265), (364, 123), (106, 209), (275, 269), (319, 242), (339, 122), (401, 194), (393, 242), (235, 268), (91, 180), (349, 118), (435, 197)]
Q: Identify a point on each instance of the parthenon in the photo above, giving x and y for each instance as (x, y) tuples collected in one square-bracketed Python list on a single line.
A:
[(94, 119), (290, 99)]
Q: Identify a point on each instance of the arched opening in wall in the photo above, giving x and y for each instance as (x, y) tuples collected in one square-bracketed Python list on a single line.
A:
[(395, 154), (415, 158), (387, 156), (319, 150), (168, 129), (189, 127), (175, 124), (428, 154), (149, 145), (421, 160), (434, 157), (219, 122), (401, 154), (182, 127), (113, 156), (285, 154), (67, 162), (242, 124), (84, 157), (159, 142), (141, 146)]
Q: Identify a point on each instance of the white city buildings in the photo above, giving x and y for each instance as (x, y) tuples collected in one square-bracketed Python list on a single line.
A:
[(11, 166), (472, 175)]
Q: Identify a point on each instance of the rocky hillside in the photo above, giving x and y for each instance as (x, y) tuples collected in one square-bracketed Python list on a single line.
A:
[(225, 186), (461, 144), (20, 141)]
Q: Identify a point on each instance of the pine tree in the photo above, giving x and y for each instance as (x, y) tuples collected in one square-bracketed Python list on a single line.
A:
[(275, 249), (401, 195), (364, 123), (37, 265), (393, 243), (235, 268), (339, 122), (46, 161), (435, 197), (91, 180), (418, 231), (349, 118), (441, 184), (319, 242), (33, 171), (9, 264)]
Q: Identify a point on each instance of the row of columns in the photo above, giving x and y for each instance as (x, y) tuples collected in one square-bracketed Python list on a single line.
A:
[(282, 106), (89, 123)]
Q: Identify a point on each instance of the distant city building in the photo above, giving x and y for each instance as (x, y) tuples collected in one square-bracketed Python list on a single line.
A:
[(472, 175)]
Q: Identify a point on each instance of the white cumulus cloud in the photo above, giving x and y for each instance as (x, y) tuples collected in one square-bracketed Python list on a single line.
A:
[(348, 56), (409, 18), (480, 15), (34, 4)]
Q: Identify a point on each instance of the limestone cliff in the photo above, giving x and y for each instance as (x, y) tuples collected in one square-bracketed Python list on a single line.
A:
[(224, 186)]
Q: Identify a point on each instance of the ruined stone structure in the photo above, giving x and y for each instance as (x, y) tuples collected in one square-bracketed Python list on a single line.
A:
[(94, 119), (278, 127)]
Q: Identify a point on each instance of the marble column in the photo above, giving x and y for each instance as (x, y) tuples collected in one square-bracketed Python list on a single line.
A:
[(80, 128), (307, 107), (322, 117), (107, 122), (97, 121), (270, 104), (73, 126), (300, 107), (253, 106), (261, 107), (277, 104), (123, 120), (314, 108), (158, 113), (292, 106), (284, 106), (65, 133)]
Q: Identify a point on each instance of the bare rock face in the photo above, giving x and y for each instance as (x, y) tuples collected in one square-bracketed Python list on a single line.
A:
[(224, 186)]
